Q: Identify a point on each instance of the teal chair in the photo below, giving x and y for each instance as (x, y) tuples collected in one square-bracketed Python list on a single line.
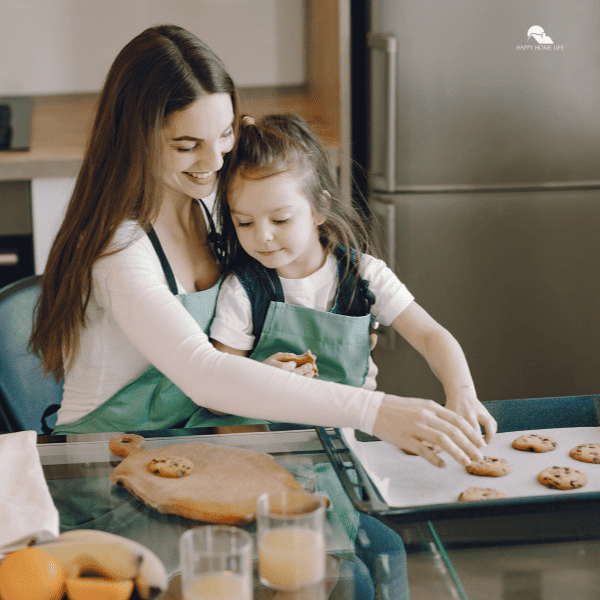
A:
[(25, 393)]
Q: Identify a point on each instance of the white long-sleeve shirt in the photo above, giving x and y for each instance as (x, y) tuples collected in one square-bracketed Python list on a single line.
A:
[(133, 321)]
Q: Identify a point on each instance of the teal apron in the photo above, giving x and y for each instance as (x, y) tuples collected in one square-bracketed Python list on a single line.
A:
[(340, 339), (152, 401), (341, 343)]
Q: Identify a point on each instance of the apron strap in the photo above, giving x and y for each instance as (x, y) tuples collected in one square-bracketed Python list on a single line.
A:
[(166, 267), (214, 237), (262, 286), (353, 296), (50, 411)]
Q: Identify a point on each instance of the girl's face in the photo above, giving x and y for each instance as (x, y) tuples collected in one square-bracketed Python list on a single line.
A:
[(276, 224), (195, 141)]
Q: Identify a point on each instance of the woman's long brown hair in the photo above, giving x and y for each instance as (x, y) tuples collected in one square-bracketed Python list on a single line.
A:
[(162, 70)]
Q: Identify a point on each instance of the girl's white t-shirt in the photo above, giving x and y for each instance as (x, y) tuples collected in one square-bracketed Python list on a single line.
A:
[(233, 325), (133, 321)]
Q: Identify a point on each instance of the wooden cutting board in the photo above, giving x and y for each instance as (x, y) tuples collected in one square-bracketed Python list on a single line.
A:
[(222, 487)]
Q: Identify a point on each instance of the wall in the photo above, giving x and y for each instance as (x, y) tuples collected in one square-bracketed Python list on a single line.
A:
[(67, 46)]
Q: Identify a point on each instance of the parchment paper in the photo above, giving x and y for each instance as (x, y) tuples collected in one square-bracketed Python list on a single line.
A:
[(404, 480)]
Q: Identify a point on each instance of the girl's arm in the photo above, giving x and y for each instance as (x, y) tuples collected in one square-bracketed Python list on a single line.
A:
[(448, 363), (228, 349)]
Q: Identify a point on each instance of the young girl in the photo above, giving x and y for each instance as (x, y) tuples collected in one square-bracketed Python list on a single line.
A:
[(301, 276)]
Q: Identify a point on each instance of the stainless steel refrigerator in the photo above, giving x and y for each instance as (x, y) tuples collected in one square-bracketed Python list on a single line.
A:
[(483, 139)]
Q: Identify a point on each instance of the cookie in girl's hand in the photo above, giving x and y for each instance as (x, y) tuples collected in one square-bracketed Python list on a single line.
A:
[(302, 359)]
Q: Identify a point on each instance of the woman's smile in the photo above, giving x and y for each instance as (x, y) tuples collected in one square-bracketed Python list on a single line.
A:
[(202, 178)]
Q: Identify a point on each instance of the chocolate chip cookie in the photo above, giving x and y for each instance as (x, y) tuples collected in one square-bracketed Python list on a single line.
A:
[(535, 442), (562, 478), (490, 466), (171, 466), (589, 453), (477, 493)]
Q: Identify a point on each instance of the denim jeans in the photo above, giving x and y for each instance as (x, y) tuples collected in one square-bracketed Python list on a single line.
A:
[(379, 567)]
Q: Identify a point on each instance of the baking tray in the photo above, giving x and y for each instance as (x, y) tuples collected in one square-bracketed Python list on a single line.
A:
[(511, 415)]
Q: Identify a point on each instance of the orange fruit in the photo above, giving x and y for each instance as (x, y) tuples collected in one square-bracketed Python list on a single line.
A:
[(98, 588), (30, 574)]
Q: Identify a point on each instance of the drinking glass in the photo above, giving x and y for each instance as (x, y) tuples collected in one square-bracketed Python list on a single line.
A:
[(216, 563), (290, 528)]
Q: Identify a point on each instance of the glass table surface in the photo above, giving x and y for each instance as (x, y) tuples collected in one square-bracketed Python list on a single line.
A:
[(532, 557)]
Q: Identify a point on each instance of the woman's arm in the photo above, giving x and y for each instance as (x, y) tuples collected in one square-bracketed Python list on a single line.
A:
[(272, 360), (131, 286), (408, 422), (447, 361)]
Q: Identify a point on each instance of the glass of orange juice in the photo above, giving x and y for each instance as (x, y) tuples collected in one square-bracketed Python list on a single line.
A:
[(290, 529), (216, 563)]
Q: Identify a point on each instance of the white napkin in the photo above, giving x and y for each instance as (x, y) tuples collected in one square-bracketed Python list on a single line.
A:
[(27, 511)]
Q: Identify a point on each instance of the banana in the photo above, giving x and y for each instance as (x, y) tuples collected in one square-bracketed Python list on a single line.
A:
[(151, 578), (109, 559)]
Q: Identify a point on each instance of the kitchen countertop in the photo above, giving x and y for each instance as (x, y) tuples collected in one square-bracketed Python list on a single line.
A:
[(61, 125)]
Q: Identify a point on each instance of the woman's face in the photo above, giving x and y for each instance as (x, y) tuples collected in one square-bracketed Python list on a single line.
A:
[(276, 224), (195, 140)]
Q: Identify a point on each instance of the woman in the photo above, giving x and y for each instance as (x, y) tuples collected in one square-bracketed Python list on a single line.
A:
[(131, 284), (109, 320)]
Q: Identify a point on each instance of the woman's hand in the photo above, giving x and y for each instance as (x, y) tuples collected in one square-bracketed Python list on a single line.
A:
[(275, 361), (447, 361), (464, 402), (400, 421)]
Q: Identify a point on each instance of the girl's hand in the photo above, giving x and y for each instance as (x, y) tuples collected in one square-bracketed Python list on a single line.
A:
[(466, 404), (400, 421), (275, 361)]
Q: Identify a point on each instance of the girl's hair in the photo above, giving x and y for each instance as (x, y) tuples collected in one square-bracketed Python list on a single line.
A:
[(284, 143), (163, 70)]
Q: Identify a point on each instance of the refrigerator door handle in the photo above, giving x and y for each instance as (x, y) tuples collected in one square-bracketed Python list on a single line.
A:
[(387, 44)]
